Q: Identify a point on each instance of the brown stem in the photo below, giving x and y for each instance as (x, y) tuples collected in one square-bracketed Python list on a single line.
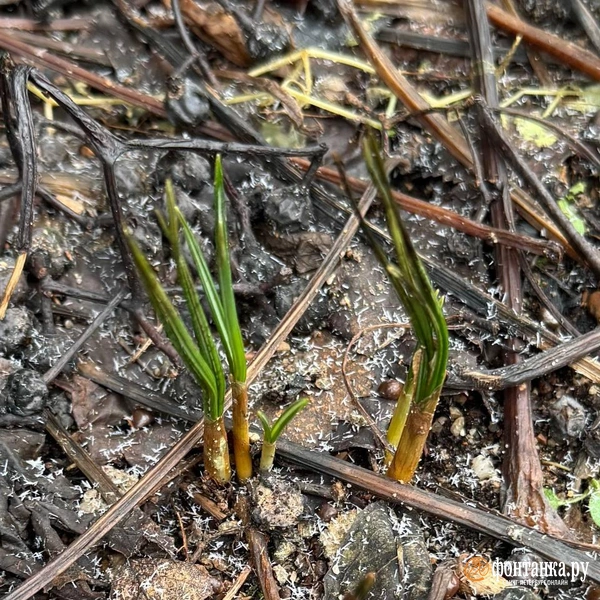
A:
[(241, 437), (435, 123), (414, 436), (566, 52), (216, 452)]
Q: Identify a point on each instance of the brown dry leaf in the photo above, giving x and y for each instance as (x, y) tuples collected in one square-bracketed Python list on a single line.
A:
[(212, 24), (94, 405), (152, 579)]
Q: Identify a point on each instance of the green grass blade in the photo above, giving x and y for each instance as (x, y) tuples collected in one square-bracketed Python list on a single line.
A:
[(238, 355), (411, 282), (286, 416), (176, 330), (210, 290), (266, 424), (200, 324)]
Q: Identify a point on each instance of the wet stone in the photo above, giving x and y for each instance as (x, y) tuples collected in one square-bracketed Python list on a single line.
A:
[(569, 416), (26, 393), (267, 39), (15, 329), (48, 255), (392, 547), (186, 103), (289, 208)]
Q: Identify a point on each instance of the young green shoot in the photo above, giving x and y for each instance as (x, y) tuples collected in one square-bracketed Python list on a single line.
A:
[(224, 314), (414, 412), (200, 356), (273, 431)]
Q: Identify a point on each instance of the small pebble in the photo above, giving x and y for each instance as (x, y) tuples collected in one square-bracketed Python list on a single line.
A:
[(458, 428), (569, 416), (483, 467), (141, 418), (390, 389), (327, 512)]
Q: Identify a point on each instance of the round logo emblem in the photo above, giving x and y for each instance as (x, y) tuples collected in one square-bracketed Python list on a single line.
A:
[(476, 568)]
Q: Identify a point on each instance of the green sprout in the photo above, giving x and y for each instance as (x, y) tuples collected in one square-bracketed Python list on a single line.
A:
[(414, 411), (200, 354), (224, 313), (273, 431), (593, 493)]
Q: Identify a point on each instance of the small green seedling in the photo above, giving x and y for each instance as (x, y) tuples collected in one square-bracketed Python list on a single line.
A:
[(414, 411), (200, 354), (593, 493), (273, 431), (224, 313)]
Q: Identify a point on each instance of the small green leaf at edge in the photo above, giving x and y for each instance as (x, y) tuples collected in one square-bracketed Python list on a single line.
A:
[(554, 501), (286, 417), (594, 507)]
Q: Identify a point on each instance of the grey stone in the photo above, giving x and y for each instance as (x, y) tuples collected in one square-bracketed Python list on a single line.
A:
[(26, 393), (392, 547), (278, 504), (15, 329), (290, 208), (568, 416)]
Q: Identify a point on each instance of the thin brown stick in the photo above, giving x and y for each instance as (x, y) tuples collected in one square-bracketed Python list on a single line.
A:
[(37, 57), (448, 218), (566, 52), (383, 443), (237, 586), (435, 123)]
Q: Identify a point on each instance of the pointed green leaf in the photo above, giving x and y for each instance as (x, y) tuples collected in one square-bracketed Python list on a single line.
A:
[(266, 426), (238, 356), (200, 324), (176, 330), (286, 416)]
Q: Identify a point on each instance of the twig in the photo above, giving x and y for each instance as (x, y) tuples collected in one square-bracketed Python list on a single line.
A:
[(564, 51), (443, 216), (435, 123), (51, 373), (239, 582), (259, 552), (21, 139), (368, 418), (530, 368), (588, 252), (108, 490)]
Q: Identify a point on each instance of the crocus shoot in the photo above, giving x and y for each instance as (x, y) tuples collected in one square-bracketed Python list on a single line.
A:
[(200, 356), (224, 313), (414, 411), (273, 431)]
